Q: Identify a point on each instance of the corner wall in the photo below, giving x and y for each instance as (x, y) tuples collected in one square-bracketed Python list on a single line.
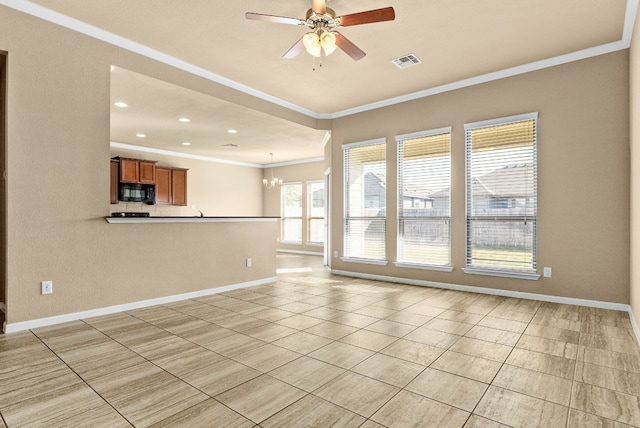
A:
[(634, 94), (583, 177), (58, 134)]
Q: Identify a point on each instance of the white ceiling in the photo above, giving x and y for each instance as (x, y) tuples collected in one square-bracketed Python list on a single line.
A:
[(459, 41)]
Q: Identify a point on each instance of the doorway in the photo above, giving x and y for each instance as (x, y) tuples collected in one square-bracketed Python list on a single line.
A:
[(327, 218)]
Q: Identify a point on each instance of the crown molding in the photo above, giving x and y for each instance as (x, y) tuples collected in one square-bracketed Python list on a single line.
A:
[(293, 162), (97, 33), (124, 43), (116, 145), (125, 146)]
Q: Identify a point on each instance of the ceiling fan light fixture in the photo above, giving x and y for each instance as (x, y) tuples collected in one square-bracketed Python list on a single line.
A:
[(328, 42), (312, 43)]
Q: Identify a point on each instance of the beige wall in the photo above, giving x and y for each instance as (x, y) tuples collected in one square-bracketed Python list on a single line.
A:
[(58, 178), (58, 145), (216, 189), (299, 173), (583, 180), (634, 93)]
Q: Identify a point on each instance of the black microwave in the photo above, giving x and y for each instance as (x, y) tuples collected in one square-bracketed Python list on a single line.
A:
[(145, 193)]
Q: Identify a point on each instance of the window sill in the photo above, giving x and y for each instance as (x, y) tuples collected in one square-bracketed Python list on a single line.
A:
[(440, 268), (532, 276), (314, 244), (290, 242), (364, 261)]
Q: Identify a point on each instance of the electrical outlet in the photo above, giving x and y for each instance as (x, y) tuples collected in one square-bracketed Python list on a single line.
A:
[(249, 262), (335, 253), (547, 272), (46, 287)]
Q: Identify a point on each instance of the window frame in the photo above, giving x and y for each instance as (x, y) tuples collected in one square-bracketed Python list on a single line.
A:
[(310, 217), (527, 274), (400, 139), (345, 215), (282, 212)]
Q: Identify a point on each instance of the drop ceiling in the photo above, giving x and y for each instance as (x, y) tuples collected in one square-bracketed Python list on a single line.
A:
[(458, 41)]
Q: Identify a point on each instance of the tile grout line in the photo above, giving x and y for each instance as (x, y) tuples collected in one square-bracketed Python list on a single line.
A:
[(80, 377)]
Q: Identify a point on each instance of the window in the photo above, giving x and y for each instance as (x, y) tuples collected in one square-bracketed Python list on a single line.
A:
[(424, 184), (365, 200), (315, 212), (291, 213), (502, 196)]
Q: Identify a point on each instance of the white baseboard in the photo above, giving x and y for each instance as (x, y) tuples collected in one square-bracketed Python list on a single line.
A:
[(306, 253), (58, 319), (498, 292)]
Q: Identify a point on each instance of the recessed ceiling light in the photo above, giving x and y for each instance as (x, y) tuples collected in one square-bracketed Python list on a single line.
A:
[(141, 135), (120, 104), (184, 119), (186, 143), (232, 131)]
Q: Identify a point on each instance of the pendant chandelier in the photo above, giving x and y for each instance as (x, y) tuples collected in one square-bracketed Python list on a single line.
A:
[(273, 181)]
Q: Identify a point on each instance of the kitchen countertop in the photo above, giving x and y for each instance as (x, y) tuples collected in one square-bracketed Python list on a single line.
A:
[(135, 220)]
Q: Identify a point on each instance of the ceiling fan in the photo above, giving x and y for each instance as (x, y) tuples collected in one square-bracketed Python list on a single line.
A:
[(323, 23)]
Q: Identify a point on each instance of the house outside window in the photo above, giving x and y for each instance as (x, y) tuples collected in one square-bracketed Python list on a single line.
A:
[(291, 213), (501, 187), (315, 212), (424, 186), (365, 200)]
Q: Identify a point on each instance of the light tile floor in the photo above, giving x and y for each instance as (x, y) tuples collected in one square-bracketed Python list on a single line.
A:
[(321, 350)]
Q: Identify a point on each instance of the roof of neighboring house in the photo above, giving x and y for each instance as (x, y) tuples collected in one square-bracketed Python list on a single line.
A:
[(510, 181), (410, 190)]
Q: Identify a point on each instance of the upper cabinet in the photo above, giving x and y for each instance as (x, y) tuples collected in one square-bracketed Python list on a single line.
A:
[(171, 186), (179, 186), (114, 181), (137, 171), (147, 172), (168, 184)]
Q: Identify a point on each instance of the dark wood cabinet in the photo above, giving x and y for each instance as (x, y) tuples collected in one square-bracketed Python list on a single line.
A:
[(129, 170), (170, 183), (163, 186), (137, 171), (146, 172), (179, 186), (171, 186), (114, 182)]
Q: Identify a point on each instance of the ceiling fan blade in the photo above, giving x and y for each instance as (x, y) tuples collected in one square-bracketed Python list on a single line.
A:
[(368, 17), (348, 47), (319, 6), (273, 18), (295, 50)]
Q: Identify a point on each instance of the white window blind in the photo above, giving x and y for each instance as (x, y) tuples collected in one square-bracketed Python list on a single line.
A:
[(291, 213), (365, 200), (501, 173), (315, 212), (424, 185)]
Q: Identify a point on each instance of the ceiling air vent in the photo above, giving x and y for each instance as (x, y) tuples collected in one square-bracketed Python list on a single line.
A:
[(230, 146), (406, 61)]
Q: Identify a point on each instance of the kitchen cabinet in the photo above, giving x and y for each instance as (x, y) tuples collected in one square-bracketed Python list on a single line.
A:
[(179, 186), (137, 171), (147, 172), (114, 182), (171, 186), (163, 186)]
